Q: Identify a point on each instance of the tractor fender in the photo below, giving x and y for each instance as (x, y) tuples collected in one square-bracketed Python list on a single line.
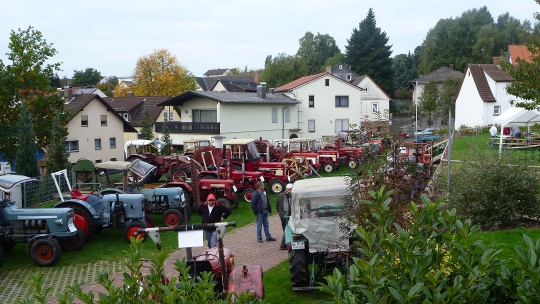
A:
[(67, 203), (35, 238), (247, 278)]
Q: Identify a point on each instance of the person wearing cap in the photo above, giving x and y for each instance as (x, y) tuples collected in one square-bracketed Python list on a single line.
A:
[(212, 212), (261, 208), (282, 207)]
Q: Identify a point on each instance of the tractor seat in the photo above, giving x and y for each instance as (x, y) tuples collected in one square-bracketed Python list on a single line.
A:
[(76, 194)]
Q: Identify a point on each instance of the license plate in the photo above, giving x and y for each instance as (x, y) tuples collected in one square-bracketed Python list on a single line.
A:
[(298, 245), (72, 227)]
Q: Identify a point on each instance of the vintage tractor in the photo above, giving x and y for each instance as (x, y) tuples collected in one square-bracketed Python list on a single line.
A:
[(219, 260), (314, 232), (192, 146), (45, 230), (411, 152), (244, 156), (170, 202), (95, 211), (351, 156)]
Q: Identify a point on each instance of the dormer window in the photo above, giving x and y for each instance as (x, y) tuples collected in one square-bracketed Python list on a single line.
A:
[(348, 76), (126, 116), (340, 67)]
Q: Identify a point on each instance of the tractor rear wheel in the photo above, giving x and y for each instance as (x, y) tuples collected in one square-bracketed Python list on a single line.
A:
[(234, 202), (277, 186), (352, 163), (131, 230), (328, 167), (247, 194), (179, 175), (172, 217), (45, 251), (83, 219), (298, 268), (225, 202), (74, 242)]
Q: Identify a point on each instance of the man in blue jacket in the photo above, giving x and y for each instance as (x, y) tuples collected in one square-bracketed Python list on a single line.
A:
[(261, 208), (212, 212)]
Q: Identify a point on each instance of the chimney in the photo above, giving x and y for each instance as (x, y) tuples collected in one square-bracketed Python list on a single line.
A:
[(261, 90), (256, 76), (452, 66), (68, 93), (129, 94), (271, 90), (328, 69)]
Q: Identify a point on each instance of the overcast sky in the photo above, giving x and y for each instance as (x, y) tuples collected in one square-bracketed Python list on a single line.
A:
[(110, 36)]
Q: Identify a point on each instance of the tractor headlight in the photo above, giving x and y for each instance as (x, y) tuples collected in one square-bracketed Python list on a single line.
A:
[(59, 222)]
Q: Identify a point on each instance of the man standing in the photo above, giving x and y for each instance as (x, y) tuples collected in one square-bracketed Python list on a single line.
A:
[(261, 208), (282, 207), (212, 212), (493, 132)]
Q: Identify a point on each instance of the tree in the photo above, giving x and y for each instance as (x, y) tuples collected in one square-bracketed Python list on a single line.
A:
[(428, 101), (334, 60), (166, 137), (283, 69), (315, 50), (56, 82), (88, 77), (368, 52), (160, 73), (146, 125), (447, 96), (26, 148), (27, 79), (108, 85), (57, 156), (401, 73)]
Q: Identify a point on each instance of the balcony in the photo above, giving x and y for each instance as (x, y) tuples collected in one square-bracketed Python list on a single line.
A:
[(189, 127)]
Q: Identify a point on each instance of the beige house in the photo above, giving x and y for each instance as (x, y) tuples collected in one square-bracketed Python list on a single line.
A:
[(96, 131)]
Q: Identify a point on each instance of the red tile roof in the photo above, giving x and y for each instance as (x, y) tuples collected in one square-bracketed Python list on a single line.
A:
[(298, 82), (519, 51)]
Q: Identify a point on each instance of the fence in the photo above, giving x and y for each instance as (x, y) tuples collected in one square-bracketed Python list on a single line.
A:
[(42, 191)]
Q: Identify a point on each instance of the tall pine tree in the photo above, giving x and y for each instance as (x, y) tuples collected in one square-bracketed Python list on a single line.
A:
[(166, 137), (26, 152), (57, 156), (367, 52), (146, 125)]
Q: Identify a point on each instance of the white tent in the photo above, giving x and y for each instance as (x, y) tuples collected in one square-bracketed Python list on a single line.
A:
[(516, 117)]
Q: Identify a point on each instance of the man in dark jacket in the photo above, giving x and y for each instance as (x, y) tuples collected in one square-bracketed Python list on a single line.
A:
[(261, 208), (282, 208), (212, 212)]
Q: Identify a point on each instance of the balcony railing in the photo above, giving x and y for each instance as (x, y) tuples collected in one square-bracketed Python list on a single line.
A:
[(189, 127)]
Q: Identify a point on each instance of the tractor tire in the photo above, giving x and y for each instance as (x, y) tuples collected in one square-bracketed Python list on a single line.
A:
[(45, 251), (83, 220), (298, 268), (179, 175), (131, 230), (247, 194), (150, 223), (352, 164), (1, 257), (74, 242), (234, 202), (328, 167), (225, 202), (172, 217), (277, 186), (8, 244)]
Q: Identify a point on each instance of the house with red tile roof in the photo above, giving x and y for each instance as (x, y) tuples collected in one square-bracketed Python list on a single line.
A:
[(482, 95), (518, 51)]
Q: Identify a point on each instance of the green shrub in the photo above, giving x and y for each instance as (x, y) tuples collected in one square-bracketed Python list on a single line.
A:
[(494, 190)]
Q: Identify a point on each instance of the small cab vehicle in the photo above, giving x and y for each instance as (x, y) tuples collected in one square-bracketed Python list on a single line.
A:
[(426, 131), (45, 230)]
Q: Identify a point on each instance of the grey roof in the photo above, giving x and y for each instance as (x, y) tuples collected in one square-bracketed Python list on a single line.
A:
[(208, 83), (229, 98), (440, 75), (215, 72)]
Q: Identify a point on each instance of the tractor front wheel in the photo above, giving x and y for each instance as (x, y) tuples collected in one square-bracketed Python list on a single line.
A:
[(172, 217), (298, 268), (328, 167), (83, 219), (352, 164), (74, 242), (45, 251), (132, 230), (225, 202), (277, 186), (150, 223), (247, 194), (234, 202)]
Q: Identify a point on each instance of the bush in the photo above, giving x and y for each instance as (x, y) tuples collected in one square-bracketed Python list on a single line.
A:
[(494, 191)]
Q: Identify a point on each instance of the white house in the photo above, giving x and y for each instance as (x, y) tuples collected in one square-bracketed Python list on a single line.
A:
[(329, 104), (482, 95), (233, 114)]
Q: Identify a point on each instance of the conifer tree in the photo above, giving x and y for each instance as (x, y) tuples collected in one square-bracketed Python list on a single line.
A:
[(57, 158), (166, 137), (146, 125), (26, 152)]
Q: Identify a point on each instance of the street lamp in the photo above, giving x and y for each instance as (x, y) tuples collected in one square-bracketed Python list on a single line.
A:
[(218, 143)]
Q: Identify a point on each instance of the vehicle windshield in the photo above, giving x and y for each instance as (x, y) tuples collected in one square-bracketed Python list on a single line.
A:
[(252, 152), (322, 206), (329, 140)]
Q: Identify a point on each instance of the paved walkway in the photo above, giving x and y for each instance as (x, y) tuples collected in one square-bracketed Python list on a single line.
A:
[(242, 242)]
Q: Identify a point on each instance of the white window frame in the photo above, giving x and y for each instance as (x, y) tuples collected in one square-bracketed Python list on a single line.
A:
[(112, 143), (274, 115), (287, 114), (103, 121), (374, 107), (97, 143), (341, 99), (311, 101), (171, 115), (311, 125), (84, 120), (341, 125), (72, 146), (497, 110)]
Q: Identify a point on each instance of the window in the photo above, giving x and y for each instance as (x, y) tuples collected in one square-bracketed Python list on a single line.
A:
[(342, 125), (165, 115), (348, 76), (97, 143), (375, 107), (72, 146), (98, 161), (287, 114), (204, 115), (84, 120), (126, 116), (113, 158), (311, 125), (171, 115), (103, 120), (274, 115), (327, 82), (311, 101), (342, 101), (340, 67), (112, 142), (496, 110)]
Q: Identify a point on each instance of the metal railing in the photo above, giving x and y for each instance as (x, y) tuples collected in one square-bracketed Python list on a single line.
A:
[(190, 127)]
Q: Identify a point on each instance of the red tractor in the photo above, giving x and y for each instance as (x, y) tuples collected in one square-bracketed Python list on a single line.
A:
[(351, 156), (244, 156)]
